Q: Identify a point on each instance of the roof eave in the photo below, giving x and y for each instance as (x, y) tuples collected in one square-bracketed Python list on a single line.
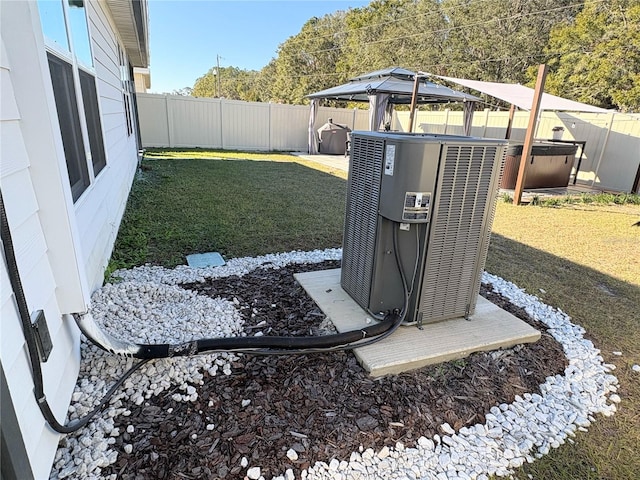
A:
[(132, 22)]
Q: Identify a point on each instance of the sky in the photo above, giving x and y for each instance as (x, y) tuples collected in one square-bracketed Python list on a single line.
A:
[(186, 36)]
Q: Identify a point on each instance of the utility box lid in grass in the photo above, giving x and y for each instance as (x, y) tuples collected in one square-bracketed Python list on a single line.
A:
[(202, 260)]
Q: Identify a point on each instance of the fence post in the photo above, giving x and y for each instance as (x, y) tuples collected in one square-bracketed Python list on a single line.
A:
[(446, 120), (353, 122), (169, 121), (270, 125), (486, 121), (604, 147), (221, 124)]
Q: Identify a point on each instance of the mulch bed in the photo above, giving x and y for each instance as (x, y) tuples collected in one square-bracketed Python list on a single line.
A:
[(324, 406)]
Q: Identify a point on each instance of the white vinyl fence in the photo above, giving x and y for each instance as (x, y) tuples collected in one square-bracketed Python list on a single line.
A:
[(611, 158), (178, 121)]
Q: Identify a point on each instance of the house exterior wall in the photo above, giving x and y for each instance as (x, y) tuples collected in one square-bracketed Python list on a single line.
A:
[(142, 79), (19, 126), (101, 207), (61, 247)]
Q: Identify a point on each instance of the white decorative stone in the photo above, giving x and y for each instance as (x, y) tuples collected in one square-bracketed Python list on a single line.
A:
[(253, 473), (148, 306), (446, 428), (383, 453), (292, 455)]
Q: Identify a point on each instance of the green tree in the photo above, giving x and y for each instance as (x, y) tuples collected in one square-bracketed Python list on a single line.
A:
[(599, 59), (387, 33), (235, 84), (497, 40), (306, 62)]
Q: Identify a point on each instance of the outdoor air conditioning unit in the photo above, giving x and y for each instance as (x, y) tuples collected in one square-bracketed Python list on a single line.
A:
[(436, 194)]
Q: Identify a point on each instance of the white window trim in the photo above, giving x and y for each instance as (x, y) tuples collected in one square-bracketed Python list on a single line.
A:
[(70, 57)]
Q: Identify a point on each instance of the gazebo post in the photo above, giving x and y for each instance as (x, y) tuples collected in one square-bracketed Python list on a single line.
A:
[(512, 112), (531, 128), (414, 101)]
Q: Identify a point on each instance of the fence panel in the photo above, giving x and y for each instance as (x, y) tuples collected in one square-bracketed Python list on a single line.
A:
[(289, 127), (195, 122), (341, 116), (154, 125), (620, 160), (610, 161), (245, 125)]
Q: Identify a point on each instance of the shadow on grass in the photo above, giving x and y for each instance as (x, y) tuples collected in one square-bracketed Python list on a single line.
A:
[(609, 310), (235, 207)]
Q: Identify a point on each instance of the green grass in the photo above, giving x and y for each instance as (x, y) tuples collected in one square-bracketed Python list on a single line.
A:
[(580, 199), (236, 207), (590, 198), (585, 257), (588, 263)]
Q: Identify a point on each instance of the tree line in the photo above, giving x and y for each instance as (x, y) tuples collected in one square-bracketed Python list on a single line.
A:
[(592, 48)]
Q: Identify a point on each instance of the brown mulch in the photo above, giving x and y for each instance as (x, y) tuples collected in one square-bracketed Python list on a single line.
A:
[(324, 406)]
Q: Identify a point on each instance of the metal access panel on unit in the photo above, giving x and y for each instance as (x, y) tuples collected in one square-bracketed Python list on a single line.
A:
[(437, 193)]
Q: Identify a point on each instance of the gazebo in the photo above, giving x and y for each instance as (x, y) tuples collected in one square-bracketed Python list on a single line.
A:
[(383, 89)]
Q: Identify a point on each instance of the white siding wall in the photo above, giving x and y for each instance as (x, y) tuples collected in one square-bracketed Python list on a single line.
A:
[(61, 247), (100, 208), (33, 254)]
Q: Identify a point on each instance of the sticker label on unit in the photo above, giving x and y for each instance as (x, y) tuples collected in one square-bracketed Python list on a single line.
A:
[(416, 206), (389, 159)]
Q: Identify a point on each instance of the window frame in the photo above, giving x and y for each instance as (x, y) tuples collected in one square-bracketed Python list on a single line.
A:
[(125, 84), (66, 99), (92, 130), (92, 113)]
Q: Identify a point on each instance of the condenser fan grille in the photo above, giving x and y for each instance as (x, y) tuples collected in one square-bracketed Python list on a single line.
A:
[(361, 219), (450, 274)]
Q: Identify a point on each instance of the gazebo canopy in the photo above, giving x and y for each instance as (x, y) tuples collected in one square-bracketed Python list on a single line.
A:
[(398, 83), (522, 97), (383, 89)]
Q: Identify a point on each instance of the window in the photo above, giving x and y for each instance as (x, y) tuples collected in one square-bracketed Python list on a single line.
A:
[(53, 24), (65, 95), (125, 82), (66, 32), (80, 32), (92, 114)]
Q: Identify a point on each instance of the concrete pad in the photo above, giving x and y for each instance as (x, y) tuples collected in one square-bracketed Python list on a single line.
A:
[(339, 162), (489, 328)]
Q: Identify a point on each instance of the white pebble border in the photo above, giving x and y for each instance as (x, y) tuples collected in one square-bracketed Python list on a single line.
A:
[(148, 306)]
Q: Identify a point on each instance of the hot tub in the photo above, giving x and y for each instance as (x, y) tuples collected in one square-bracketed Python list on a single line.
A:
[(550, 165)]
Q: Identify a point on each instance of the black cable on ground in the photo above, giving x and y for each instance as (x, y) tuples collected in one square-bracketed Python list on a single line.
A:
[(29, 335), (275, 345), (251, 345)]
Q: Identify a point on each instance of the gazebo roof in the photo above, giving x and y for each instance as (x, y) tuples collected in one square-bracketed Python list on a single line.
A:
[(522, 97), (395, 81)]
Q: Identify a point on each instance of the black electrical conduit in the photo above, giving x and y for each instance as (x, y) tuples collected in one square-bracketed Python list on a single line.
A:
[(252, 345), (32, 350)]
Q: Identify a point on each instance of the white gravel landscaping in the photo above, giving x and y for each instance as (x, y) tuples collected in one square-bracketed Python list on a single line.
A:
[(147, 306)]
